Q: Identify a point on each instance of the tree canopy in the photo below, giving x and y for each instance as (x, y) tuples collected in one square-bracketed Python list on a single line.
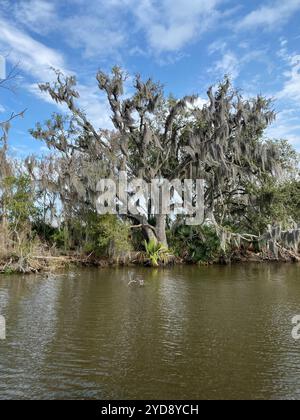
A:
[(157, 136)]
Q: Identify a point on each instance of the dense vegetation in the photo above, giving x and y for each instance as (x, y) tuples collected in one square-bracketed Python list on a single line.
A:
[(252, 187)]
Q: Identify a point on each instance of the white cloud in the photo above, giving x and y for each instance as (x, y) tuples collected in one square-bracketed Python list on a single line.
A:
[(38, 15), (270, 16), (96, 29), (34, 57), (95, 105), (93, 35), (287, 124), (229, 64), (171, 24), (107, 28), (287, 127), (283, 42), (91, 100), (291, 88), (199, 103), (217, 46)]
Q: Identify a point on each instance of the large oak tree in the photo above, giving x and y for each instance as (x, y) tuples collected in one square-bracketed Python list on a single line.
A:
[(155, 136)]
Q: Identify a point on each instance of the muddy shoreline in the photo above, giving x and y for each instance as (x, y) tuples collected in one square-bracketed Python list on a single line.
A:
[(50, 263)]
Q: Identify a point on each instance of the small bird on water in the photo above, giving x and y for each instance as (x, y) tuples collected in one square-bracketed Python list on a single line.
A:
[(139, 282)]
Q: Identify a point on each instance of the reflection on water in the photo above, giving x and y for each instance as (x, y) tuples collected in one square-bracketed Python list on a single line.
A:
[(188, 333)]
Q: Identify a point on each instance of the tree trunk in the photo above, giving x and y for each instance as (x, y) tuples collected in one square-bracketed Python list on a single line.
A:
[(161, 221), (149, 233), (4, 229), (157, 234)]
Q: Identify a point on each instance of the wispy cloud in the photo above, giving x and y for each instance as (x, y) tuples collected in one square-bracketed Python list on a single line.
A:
[(287, 126), (232, 62), (101, 29), (34, 57), (271, 15), (37, 15), (94, 35), (95, 105), (96, 29), (291, 88), (229, 65), (171, 24)]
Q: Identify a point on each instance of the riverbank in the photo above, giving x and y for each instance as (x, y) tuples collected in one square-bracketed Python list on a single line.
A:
[(51, 263)]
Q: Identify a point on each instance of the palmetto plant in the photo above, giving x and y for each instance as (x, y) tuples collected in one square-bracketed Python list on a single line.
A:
[(156, 253)]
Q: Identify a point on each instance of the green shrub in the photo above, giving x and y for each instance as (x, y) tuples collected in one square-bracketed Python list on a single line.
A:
[(195, 243), (17, 201), (108, 236), (156, 253)]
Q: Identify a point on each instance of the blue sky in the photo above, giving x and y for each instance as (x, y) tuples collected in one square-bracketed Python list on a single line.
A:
[(186, 44)]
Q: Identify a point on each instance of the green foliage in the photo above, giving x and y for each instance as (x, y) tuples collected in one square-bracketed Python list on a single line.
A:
[(288, 158), (8, 271), (61, 238), (156, 253), (110, 235), (45, 231), (17, 200), (291, 194), (195, 243), (104, 236), (137, 239), (271, 203)]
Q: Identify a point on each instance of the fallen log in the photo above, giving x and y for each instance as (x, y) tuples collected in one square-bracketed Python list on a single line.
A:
[(40, 257)]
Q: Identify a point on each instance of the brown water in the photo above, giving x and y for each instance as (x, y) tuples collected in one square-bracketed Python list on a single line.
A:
[(188, 333)]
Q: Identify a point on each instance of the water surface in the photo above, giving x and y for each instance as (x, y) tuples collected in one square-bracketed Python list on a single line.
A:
[(187, 333)]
